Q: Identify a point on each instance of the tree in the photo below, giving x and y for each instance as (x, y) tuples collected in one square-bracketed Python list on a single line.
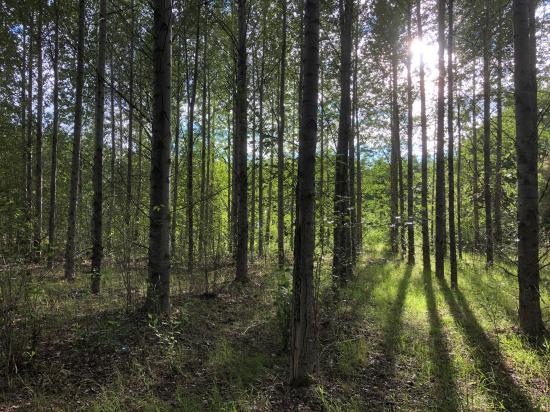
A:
[(158, 291), (97, 180), (241, 180), (410, 171), (525, 93), (55, 131), (341, 263), (302, 354), (451, 159), (280, 143), (423, 125), (77, 135), (440, 232)]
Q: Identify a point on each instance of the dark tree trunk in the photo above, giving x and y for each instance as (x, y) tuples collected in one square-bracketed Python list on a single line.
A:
[(303, 337), (525, 86), (97, 179), (341, 263), (280, 145), (55, 130), (261, 156), (77, 134), (459, 177), (202, 205), (475, 175), (37, 242), (112, 193), (129, 171), (410, 171), (423, 125), (440, 240), (176, 169), (158, 291), (254, 166), (498, 159), (487, 141), (28, 174), (190, 148), (394, 159), (26, 154), (451, 160), (241, 180), (351, 157)]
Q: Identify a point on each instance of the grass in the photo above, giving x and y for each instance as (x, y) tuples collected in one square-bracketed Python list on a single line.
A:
[(395, 339)]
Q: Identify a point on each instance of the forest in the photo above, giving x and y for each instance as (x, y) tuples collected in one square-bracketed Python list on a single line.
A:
[(286, 205)]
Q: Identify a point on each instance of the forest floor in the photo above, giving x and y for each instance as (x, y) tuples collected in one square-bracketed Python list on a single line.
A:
[(394, 339)]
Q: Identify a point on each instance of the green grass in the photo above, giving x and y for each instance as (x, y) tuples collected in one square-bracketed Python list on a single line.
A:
[(395, 338)]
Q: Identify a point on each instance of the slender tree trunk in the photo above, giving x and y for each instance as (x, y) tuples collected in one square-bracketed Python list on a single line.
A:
[(440, 240), (341, 263), (451, 160), (202, 205), (55, 130), (261, 251), (410, 171), (280, 144), (351, 158), (28, 174), (176, 172), (129, 171), (459, 176), (498, 159), (475, 182), (112, 193), (254, 166), (26, 155), (424, 167), (487, 169), (190, 148), (158, 291), (37, 244), (97, 180), (269, 201), (77, 134), (241, 180), (303, 340), (525, 91), (394, 159)]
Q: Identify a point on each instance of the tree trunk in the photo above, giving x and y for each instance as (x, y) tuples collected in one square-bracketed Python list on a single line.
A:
[(55, 130), (26, 155), (303, 340), (97, 179), (129, 171), (475, 182), (525, 92), (487, 142), (351, 158), (112, 193), (252, 236), (190, 148), (280, 143), (451, 160), (424, 167), (498, 159), (394, 159), (261, 251), (176, 169), (410, 171), (29, 153), (77, 134), (459, 176), (37, 243), (241, 180), (341, 263), (202, 205), (440, 240), (158, 291)]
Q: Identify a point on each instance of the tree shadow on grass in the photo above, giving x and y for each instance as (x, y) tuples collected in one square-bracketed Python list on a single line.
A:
[(394, 323), (446, 388), (502, 387)]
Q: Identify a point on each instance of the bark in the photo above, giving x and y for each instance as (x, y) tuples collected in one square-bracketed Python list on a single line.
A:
[(97, 179), (129, 171), (525, 93), (253, 188), (77, 135), (303, 339), (190, 148), (112, 193), (498, 160), (424, 167), (176, 170), (321, 191), (158, 291), (459, 177), (394, 162), (342, 263), (440, 240), (451, 160), (475, 181), (55, 130), (487, 168), (261, 251), (29, 153), (241, 181), (410, 171), (202, 205), (351, 157), (26, 154), (37, 241), (280, 143)]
